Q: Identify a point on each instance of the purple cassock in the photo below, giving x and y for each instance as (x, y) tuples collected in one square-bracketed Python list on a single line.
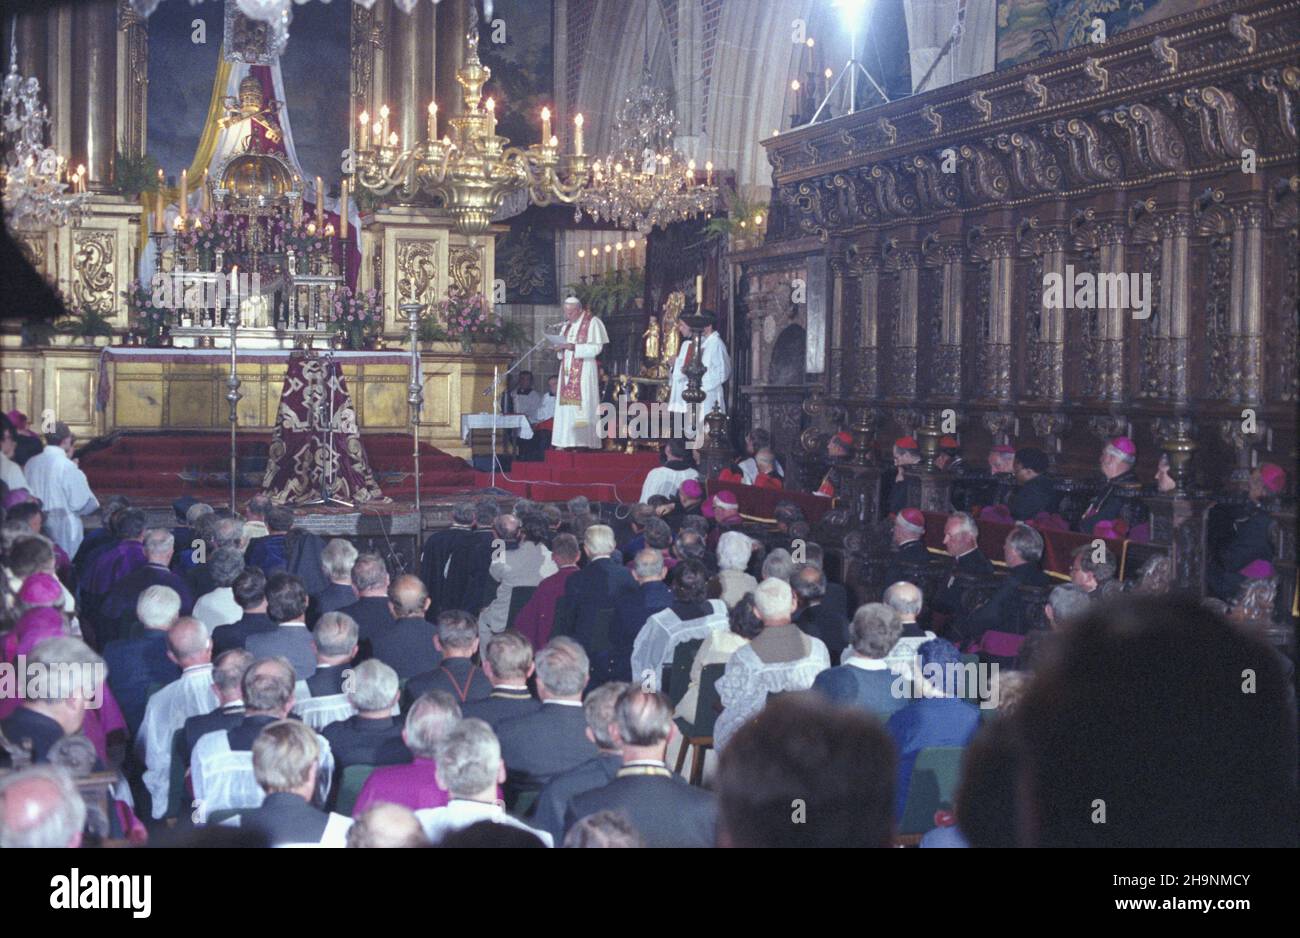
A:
[(537, 618), (413, 785), (114, 564)]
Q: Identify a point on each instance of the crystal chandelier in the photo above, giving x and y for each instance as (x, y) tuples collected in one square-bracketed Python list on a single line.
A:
[(644, 182), (472, 169), (32, 177)]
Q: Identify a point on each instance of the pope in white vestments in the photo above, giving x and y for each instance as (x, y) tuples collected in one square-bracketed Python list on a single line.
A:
[(61, 486), (717, 370), (578, 403)]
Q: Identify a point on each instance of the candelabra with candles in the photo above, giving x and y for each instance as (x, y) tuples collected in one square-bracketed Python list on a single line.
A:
[(472, 169)]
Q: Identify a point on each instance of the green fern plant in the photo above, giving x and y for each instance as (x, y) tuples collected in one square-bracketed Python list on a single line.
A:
[(87, 323), (135, 174), (739, 219)]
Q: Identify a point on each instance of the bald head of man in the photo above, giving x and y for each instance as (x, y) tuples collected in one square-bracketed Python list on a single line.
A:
[(189, 642), (905, 599), (407, 597), (41, 807), (387, 825)]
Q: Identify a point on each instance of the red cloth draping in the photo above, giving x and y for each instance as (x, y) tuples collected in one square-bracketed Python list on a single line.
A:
[(298, 453)]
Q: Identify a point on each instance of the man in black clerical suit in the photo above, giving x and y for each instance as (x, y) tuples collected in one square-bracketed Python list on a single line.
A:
[(249, 590), (665, 810), (909, 550), (553, 802), (407, 644), (960, 539), (468, 585), (336, 560), (436, 557), (1036, 493), (541, 745), (370, 611), (1023, 550), (816, 618), (227, 681), (286, 757), (286, 604), (1247, 549), (507, 664), (371, 736), (587, 609), (893, 485), (335, 637), (1118, 497), (455, 671)]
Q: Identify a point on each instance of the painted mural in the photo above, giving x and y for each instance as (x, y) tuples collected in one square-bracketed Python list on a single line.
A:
[(1030, 29)]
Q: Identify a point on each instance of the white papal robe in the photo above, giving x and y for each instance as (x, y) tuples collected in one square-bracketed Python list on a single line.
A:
[(64, 493), (717, 371), (576, 424)]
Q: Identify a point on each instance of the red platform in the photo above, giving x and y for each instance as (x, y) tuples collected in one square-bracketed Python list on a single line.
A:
[(600, 476)]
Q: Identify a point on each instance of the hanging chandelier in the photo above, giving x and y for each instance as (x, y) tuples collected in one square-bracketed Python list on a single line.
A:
[(33, 177), (644, 182), (472, 169)]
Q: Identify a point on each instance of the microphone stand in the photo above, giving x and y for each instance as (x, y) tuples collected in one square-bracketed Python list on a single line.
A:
[(496, 397)]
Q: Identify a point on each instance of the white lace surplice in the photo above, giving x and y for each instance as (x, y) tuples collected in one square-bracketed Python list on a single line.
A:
[(658, 639), (748, 680)]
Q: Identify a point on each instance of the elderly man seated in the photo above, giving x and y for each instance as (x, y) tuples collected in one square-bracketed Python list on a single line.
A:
[(221, 766), (780, 658), (286, 759), (372, 735), (735, 551), (415, 784), (690, 616), (865, 681), (41, 807)]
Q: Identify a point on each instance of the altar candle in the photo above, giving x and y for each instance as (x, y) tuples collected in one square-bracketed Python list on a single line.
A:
[(205, 201), (365, 131), (81, 177), (555, 141), (185, 189), (708, 173), (383, 122), (433, 121), (577, 135), (343, 211), (582, 260), (320, 204), (609, 258), (546, 123), (699, 290), (233, 301), (161, 213), (378, 129), (492, 116)]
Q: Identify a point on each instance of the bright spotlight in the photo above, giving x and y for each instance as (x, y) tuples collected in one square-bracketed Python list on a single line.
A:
[(851, 10)]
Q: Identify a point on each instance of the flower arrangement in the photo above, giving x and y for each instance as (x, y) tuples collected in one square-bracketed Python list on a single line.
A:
[(207, 233), (468, 318), (356, 316), (150, 319), (286, 235)]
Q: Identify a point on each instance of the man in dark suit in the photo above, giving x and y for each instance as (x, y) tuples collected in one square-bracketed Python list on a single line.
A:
[(468, 585), (553, 740), (286, 604), (893, 485), (837, 597), (865, 680), (909, 550), (665, 810), (587, 609), (336, 560), (286, 758), (371, 736), (335, 637), (508, 664), (437, 553), (815, 618), (1023, 550), (137, 665), (60, 711), (960, 539), (635, 606), (1036, 493), (221, 532), (271, 553), (407, 644), (454, 671), (249, 590), (553, 802), (1119, 497), (1247, 550), (116, 615), (370, 611), (227, 681)]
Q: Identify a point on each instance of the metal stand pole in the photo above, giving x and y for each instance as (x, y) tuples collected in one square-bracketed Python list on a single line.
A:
[(414, 391), (234, 397), (851, 69)]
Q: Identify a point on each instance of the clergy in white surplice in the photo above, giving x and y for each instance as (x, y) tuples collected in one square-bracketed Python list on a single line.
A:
[(579, 382), (717, 371), (54, 478)]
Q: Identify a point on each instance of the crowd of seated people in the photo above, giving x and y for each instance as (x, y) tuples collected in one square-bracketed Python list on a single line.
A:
[(533, 683)]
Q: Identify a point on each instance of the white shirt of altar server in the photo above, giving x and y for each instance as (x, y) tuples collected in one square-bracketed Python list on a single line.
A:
[(334, 837), (460, 813), (218, 608), (749, 469), (664, 481), (189, 695), (545, 409), (577, 424), (223, 778), (717, 371), (11, 474), (748, 680), (64, 493), (658, 639), (526, 404)]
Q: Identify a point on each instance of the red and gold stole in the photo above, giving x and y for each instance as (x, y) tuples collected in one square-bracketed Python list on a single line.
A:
[(571, 385)]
